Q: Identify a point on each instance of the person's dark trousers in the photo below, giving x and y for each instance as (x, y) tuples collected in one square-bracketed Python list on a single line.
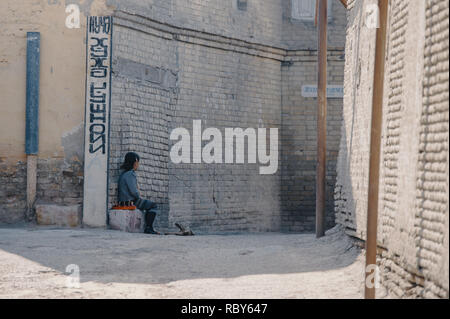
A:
[(150, 216)]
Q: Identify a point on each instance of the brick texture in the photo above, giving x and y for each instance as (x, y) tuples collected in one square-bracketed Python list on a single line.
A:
[(432, 181), (299, 141), (413, 203), (13, 179), (226, 76), (229, 65)]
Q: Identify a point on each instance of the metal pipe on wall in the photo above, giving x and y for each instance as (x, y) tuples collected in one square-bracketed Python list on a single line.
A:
[(375, 144), (321, 119), (32, 117)]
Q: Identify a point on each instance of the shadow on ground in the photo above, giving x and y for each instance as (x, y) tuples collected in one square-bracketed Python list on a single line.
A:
[(111, 256)]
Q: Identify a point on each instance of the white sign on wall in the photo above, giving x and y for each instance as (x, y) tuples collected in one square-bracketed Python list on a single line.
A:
[(333, 91), (97, 109), (305, 10)]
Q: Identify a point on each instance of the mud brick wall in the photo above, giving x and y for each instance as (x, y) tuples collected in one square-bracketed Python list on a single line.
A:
[(13, 179), (59, 182), (413, 202), (61, 105), (432, 213)]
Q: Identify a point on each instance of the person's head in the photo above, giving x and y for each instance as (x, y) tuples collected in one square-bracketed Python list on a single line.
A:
[(131, 162)]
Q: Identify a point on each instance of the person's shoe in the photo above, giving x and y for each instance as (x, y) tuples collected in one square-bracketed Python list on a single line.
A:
[(151, 231)]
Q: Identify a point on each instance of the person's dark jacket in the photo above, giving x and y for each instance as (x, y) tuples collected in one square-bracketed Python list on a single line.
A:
[(128, 190)]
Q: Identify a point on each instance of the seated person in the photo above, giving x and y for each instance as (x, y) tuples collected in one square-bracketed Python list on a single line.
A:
[(128, 191)]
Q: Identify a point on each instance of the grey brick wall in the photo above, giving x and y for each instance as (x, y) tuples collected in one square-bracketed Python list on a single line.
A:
[(226, 89), (299, 140), (261, 23), (143, 94), (267, 22), (222, 88), (302, 35), (227, 75)]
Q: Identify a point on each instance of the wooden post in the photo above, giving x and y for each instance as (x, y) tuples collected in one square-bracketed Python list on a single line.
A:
[(321, 120), (375, 143)]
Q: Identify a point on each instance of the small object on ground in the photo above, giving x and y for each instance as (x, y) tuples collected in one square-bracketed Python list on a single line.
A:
[(181, 227), (183, 231)]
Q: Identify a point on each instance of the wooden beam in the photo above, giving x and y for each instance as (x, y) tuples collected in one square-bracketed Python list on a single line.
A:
[(375, 146), (317, 12), (321, 119)]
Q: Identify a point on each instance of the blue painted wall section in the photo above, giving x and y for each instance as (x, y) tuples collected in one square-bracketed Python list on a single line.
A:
[(32, 108)]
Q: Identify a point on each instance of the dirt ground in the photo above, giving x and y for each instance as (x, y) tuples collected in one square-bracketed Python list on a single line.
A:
[(34, 264)]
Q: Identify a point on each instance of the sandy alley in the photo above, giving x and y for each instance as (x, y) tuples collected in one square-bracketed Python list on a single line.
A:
[(43, 262)]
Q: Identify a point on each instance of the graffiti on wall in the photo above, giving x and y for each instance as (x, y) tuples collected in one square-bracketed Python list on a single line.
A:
[(98, 89), (99, 49)]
